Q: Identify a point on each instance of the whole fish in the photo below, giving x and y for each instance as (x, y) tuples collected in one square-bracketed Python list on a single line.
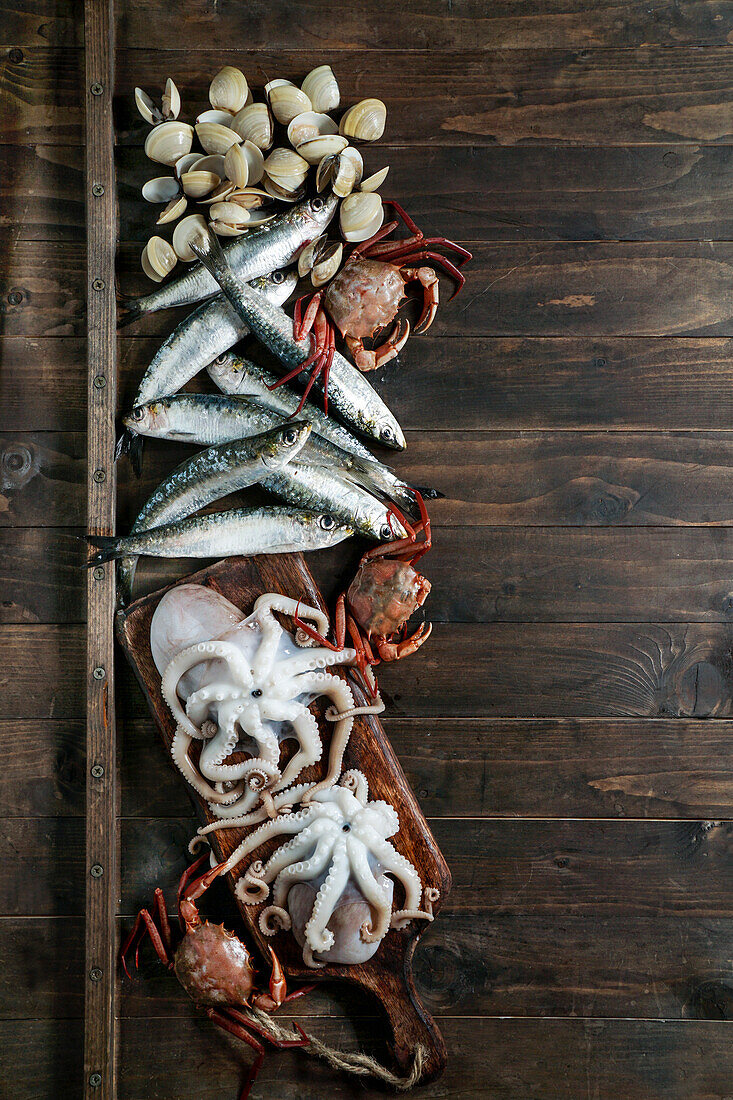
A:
[(211, 475), (209, 419), (234, 375), (212, 327), (274, 245), (322, 490), (355, 400), (225, 534)]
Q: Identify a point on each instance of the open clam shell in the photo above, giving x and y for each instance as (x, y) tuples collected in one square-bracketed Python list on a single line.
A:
[(286, 164), (169, 109), (308, 125), (244, 164), (341, 171), (187, 230), (214, 162), (168, 142), (287, 190), (321, 260), (229, 90), (254, 123), (171, 102), (364, 121), (184, 163), (360, 216), (374, 182), (224, 118), (220, 193), (158, 258), (161, 189), (216, 138), (317, 148), (175, 208), (321, 88)]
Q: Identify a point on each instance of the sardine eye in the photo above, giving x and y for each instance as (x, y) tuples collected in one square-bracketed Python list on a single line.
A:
[(385, 531), (327, 523), (387, 433), (277, 277), (137, 414), (317, 204), (290, 436)]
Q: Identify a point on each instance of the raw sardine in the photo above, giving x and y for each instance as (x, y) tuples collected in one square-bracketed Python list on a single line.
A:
[(211, 475)]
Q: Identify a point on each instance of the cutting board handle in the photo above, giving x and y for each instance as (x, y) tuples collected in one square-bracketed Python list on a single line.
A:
[(411, 1025)]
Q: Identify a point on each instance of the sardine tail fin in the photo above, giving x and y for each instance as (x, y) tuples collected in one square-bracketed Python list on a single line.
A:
[(130, 444), (106, 547), (128, 309), (428, 493), (209, 251)]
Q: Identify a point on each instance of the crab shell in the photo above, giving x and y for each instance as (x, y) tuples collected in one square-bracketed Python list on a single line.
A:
[(214, 966), (384, 593), (364, 296)]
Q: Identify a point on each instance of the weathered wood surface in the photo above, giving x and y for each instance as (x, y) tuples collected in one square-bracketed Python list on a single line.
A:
[(647, 192), (612, 97), (421, 23), (504, 383)]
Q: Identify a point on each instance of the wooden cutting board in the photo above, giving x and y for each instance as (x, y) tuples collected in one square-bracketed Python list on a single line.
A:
[(388, 975)]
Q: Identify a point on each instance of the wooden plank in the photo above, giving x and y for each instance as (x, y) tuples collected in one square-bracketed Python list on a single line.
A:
[(498, 964), (514, 1059), (500, 479), (553, 768), (565, 669), (598, 867), (467, 97), (590, 290), (441, 383), (554, 574), (483, 194), (100, 959), (419, 23)]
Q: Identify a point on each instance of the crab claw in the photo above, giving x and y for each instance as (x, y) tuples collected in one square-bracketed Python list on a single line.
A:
[(367, 360), (395, 651)]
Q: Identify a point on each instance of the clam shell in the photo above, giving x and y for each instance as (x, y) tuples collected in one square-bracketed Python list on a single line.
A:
[(310, 254), (244, 164), (230, 212), (224, 118), (365, 120), (229, 89), (319, 147), (286, 101), (342, 171), (219, 193), (168, 142), (251, 198), (158, 259), (321, 88), (212, 163), (222, 229), (173, 210), (216, 138), (183, 164), (254, 123), (186, 231), (277, 191), (360, 216), (373, 183), (286, 163), (161, 189), (196, 184), (328, 264), (310, 124), (171, 100), (147, 108)]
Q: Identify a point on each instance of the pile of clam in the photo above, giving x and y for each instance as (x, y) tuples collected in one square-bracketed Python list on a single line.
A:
[(241, 176)]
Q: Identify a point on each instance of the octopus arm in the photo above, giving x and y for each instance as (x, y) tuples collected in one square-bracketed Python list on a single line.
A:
[(340, 693), (234, 819), (372, 891), (180, 748), (186, 660), (292, 851), (310, 660), (272, 601), (311, 748), (223, 743), (279, 826), (301, 871), (395, 863), (317, 935), (270, 635)]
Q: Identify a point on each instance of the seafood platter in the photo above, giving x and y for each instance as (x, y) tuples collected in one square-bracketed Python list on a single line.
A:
[(267, 703)]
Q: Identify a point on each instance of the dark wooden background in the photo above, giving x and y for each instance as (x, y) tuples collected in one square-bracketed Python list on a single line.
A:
[(568, 727)]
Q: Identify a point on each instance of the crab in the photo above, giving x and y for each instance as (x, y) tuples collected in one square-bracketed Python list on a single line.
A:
[(214, 967), (365, 295), (385, 592)]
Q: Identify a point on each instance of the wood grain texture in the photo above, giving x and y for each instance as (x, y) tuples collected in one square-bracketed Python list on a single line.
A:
[(422, 23), (613, 97), (459, 768), (506, 382)]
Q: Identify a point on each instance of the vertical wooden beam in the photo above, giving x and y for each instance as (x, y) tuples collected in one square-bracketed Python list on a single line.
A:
[(101, 847)]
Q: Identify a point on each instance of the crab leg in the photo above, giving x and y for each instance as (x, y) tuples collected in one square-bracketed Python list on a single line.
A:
[(419, 236), (222, 1019), (144, 922)]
